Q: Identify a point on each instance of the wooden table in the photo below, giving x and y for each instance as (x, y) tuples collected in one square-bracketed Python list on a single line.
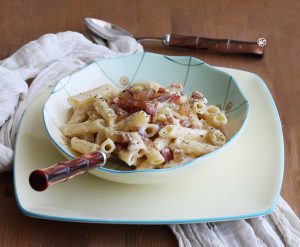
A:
[(277, 21)]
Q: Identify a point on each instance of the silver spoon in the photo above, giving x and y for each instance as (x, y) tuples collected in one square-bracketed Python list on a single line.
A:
[(109, 31)]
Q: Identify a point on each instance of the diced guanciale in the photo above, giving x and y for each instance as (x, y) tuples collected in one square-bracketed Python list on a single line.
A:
[(167, 154)]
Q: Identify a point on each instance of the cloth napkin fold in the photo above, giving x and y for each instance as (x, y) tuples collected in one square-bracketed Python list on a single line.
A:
[(53, 56), (46, 59)]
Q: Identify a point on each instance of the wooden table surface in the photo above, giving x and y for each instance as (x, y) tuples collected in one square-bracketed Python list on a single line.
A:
[(277, 21)]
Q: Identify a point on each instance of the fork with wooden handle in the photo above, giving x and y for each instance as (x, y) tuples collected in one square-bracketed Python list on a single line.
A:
[(41, 179)]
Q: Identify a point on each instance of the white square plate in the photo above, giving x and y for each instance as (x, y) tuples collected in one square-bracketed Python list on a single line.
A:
[(243, 182)]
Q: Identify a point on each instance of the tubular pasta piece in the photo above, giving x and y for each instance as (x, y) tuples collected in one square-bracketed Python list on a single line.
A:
[(161, 117), (90, 137), (136, 142), (219, 120), (134, 122), (178, 155), (216, 137), (76, 129), (103, 91), (160, 143), (136, 89), (148, 84), (193, 147), (83, 146), (154, 157), (172, 131), (163, 108), (107, 146), (210, 112), (105, 111), (151, 130), (93, 114), (78, 116), (129, 157), (101, 136), (194, 120), (199, 107)]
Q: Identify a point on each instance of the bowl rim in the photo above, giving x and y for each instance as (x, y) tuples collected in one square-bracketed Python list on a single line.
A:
[(151, 171)]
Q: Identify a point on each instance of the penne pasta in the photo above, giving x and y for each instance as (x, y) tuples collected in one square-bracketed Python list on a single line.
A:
[(193, 147), (219, 120), (172, 131), (145, 125), (154, 157), (147, 84), (136, 142), (76, 129), (83, 146), (210, 112), (101, 136), (199, 107), (161, 142), (90, 137), (134, 122), (78, 116), (103, 91), (129, 157), (151, 130), (105, 111), (108, 146), (216, 137), (195, 121)]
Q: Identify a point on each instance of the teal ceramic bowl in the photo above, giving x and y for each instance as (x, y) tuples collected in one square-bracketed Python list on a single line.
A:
[(218, 87)]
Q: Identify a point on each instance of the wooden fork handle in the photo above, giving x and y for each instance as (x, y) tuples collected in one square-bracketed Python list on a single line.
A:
[(41, 179), (216, 45)]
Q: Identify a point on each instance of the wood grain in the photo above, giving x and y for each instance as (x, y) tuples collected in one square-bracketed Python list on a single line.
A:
[(277, 21)]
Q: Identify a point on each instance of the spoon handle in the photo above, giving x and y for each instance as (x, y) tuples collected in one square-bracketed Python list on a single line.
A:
[(218, 45), (41, 179)]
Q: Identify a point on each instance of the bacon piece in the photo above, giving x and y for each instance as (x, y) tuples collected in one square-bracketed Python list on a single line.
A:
[(165, 122), (125, 100), (143, 106), (123, 138), (175, 98), (121, 146), (114, 100), (177, 85), (121, 114), (162, 97), (184, 123), (184, 109), (161, 90), (144, 95), (150, 109), (178, 155), (197, 95), (166, 153), (145, 100)]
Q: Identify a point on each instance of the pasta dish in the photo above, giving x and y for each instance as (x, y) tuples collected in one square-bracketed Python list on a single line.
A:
[(146, 125)]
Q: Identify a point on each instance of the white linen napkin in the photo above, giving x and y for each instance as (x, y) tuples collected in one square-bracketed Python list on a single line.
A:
[(53, 56)]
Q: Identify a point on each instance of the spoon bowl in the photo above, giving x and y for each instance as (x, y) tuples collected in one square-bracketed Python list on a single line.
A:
[(105, 29)]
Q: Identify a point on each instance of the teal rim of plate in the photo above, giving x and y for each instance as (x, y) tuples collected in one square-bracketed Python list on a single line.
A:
[(164, 222), (181, 166)]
